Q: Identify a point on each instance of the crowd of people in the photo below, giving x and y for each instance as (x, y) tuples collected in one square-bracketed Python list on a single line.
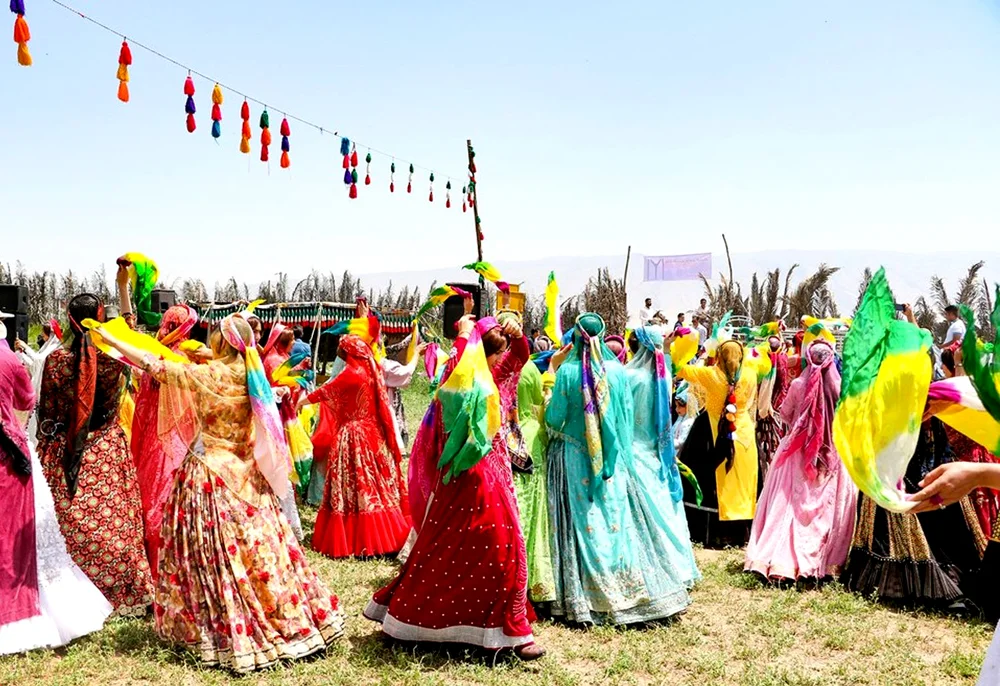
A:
[(549, 478)]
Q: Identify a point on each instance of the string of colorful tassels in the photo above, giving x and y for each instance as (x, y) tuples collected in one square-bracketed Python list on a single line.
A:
[(189, 104), (285, 131), (463, 199), (217, 112), (392, 177), (430, 198), (368, 169), (124, 62), (409, 180), (265, 134), (21, 33), (447, 194), (353, 194), (245, 116)]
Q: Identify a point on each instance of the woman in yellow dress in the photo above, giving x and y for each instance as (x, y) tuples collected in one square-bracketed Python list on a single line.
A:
[(729, 389)]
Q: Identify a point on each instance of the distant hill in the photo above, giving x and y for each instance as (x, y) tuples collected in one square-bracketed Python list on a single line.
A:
[(909, 273)]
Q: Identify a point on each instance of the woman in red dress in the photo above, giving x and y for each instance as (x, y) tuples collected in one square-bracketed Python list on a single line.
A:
[(365, 510), (465, 580), (156, 454)]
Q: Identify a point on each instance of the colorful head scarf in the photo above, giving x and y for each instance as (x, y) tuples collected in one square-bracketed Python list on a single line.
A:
[(84, 389), (272, 338), (651, 358), (812, 432), (594, 387), (359, 354), (176, 325), (270, 449)]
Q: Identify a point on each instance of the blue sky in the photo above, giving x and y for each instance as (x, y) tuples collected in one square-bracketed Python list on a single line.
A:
[(597, 125)]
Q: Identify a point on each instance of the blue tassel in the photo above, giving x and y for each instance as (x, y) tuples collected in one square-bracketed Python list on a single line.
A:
[(347, 177), (345, 146), (189, 105), (284, 144), (216, 129)]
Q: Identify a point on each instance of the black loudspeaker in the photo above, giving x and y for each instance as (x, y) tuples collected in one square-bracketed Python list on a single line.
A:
[(454, 307), (13, 299), (162, 300), (17, 327)]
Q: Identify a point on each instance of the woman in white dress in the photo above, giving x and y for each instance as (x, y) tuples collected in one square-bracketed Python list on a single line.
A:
[(70, 604)]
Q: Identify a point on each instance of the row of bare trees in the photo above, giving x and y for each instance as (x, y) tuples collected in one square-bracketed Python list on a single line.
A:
[(774, 295)]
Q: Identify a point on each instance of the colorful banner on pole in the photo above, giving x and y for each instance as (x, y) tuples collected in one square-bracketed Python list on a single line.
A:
[(677, 267)]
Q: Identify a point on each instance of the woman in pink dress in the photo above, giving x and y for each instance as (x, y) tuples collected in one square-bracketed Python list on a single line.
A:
[(806, 512), (466, 578), (156, 454)]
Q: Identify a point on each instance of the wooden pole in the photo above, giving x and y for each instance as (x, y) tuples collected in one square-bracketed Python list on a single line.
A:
[(628, 258), (474, 191)]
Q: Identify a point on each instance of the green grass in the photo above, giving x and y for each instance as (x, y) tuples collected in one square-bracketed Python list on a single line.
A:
[(737, 632)]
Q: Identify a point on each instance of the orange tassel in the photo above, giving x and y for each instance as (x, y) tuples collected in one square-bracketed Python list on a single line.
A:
[(265, 137), (21, 32), (245, 146), (123, 91), (122, 72), (247, 133), (23, 56), (284, 160)]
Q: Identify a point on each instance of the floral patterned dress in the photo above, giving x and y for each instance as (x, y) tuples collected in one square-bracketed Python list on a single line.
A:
[(102, 523), (234, 584)]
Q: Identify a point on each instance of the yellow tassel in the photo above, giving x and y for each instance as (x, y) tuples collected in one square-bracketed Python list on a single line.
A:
[(216, 95), (245, 145), (23, 56), (123, 91), (123, 72)]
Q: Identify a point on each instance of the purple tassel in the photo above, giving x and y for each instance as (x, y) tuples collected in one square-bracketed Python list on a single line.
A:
[(284, 144), (17, 6), (345, 147), (189, 105), (347, 177)]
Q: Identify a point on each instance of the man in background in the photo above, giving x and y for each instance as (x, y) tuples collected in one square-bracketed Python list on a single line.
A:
[(956, 328), (699, 325), (646, 312), (680, 321)]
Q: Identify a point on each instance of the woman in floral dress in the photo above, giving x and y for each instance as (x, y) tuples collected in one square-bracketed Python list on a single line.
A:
[(234, 584), (89, 468)]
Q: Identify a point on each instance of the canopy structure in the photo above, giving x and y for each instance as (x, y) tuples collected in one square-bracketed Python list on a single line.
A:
[(306, 314)]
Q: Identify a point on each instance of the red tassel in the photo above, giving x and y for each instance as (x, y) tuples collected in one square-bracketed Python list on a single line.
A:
[(368, 180), (472, 167), (284, 160), (392, 187), (347, 161), (447, 203), (481, 236), (245, 111), (263, 153), (188, 86), (409, 187), (191, 125), (430, 198), (463, 206), (125, 56), (285, 130), (216, 113), (354, 158), (353, 193)]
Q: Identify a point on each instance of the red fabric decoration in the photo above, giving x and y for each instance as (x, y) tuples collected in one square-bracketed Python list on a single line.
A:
[(354, 158), (263, 153), (463, 206), (125, 56), (191, 125), (245, 111), (347, 161), (392, 187), (188, 86), (216, 113), (368, 180), (285, 130), (430, 198), (246, 132), (353, 193), (447, 203), (409, 187)]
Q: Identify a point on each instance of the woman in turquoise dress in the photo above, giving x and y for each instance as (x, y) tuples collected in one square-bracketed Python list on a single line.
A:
[(606, 567), (654, 470), (532, 495)]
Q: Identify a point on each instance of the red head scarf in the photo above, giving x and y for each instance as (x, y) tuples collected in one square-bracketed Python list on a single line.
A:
[(359, 355), (176, 325)]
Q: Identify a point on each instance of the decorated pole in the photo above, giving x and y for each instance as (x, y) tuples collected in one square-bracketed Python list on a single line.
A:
[(473, 193)]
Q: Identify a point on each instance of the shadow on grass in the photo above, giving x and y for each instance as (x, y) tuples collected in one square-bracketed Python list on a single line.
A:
[(380, 651)]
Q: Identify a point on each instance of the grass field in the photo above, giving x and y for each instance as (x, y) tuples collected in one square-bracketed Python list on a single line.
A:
[(737, 632)]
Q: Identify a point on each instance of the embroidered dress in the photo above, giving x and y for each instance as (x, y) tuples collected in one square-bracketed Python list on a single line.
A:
[(102, 523), (69, 603), (532, 494), (365, 509), (606, 565), (465, 579), (234, 584)]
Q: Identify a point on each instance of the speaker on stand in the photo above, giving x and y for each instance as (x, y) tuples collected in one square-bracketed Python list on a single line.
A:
[(14, 301), (454, 307), (162, 300)]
